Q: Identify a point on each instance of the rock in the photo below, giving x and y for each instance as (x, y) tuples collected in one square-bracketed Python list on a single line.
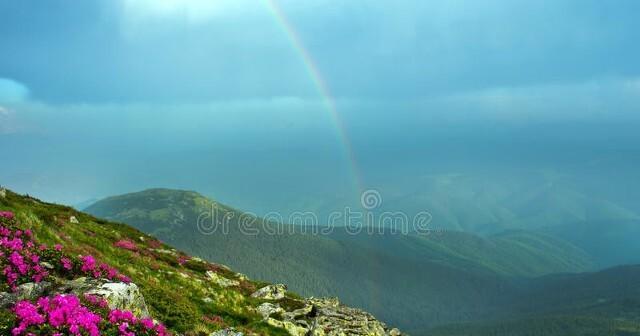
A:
[(226, 332), (119, 295), (293, 329), (267, 309), (7, 300), (46, 265), (124, 296), (31, 290), (221, 281), (304, 311), (73, 220), (327, 317), (271, 292), (3, 193), (26, 291)]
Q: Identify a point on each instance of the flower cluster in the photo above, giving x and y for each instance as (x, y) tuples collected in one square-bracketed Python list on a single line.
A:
[(6, 214), (19, 256), (60, 315), (126, 244), (129, 325), (22, 260), (65, 315), (89, 266)]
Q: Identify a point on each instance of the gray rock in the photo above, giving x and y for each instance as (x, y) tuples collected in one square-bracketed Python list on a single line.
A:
[(119, 295), (26, 291), (226, 332), (124, 296), (3, 192), (73, 220), (267, 309), (32, 290), (327, 317), (271, 292)]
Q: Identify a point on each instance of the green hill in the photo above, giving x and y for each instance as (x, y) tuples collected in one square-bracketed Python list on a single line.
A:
[(409, 280), (67, 253)]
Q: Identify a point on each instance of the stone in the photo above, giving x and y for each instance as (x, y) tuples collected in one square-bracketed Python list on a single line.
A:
[(73, 220), (295, 314), (32, 290), (46, 265), (26, 291), (271, 292), (226, 332), (267, 309), (330, 318), (119, 295), (293, 329), (3, 193), (123, 296)]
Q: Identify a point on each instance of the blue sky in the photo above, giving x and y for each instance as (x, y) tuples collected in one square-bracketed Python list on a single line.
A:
[(94, 95)]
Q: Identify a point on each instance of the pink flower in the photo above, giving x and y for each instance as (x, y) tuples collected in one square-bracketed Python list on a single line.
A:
[(7, 214), (126, 244), (66, 263), (88, 263)]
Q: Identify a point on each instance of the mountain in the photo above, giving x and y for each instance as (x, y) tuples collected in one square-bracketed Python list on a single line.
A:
[(491, 203), (413, 281), (66, 272), (601, 303)]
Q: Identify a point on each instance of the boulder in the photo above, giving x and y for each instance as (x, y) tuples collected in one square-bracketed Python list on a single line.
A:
[(26, 291), (226, 332), (123, 296), (119, 295), (3, 192), (73, 220), (292, 328), (271, 292), (267, 309)]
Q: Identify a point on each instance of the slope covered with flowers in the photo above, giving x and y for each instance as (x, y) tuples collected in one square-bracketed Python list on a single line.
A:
[(23, 260), (43, 242)]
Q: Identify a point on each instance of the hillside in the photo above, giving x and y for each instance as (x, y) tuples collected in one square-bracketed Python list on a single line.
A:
[(67, 254), (446, 277), (605, 303)]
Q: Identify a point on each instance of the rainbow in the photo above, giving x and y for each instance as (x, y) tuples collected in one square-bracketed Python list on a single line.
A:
[(323, 90)]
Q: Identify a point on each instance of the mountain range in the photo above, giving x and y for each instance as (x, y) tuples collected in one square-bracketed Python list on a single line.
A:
[(416, 281)]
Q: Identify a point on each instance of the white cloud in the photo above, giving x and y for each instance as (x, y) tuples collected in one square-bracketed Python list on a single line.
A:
[(12, 91), (193, 11)]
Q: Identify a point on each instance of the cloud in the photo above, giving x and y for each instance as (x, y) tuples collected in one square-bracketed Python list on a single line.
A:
[(12, 91), (193, 11)]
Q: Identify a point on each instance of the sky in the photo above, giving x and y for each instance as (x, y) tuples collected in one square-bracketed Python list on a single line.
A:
[(271, 103)]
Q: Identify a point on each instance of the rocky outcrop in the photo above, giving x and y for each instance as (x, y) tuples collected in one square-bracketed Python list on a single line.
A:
[(271, 292), (324, 317), (3, 193)]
